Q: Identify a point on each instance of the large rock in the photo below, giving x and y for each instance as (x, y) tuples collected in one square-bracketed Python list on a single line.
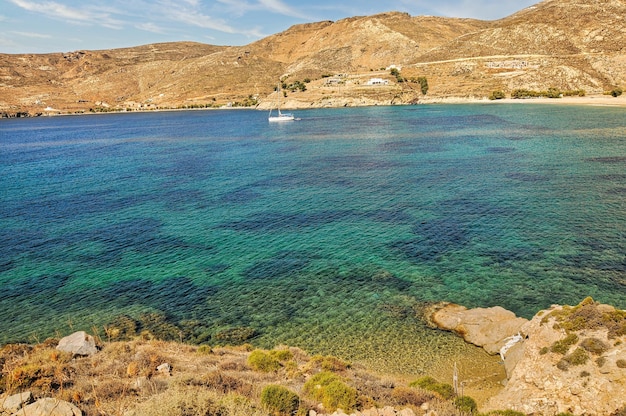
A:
[(573, 360), (490, 328), (15, 402), (79, 343), (49, 407)]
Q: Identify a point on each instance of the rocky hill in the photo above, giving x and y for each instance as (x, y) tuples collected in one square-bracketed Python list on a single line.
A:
[(566, 360), (565, 44)]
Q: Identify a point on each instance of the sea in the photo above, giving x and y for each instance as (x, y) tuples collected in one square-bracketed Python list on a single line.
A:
[(334, 233)]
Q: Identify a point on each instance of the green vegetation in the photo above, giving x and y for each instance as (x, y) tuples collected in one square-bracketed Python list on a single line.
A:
[(249, 101), (234, 336), (279, 400), (446, 391), (563, 346), (423, 84), (294, 86), (329, 363), (549, 93), (263, 361), (507, 412), (594, 346), (578, 357), (615, 92), (497, 95), (331, 391), (465, 404), (586, 315)]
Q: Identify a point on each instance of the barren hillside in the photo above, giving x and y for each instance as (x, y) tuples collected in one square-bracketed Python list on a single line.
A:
[(566, 44)]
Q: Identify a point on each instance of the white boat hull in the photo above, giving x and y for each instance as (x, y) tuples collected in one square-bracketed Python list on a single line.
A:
[(282, 117)]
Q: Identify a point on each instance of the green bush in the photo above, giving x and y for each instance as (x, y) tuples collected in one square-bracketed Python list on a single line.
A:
[(578, 357), (423, 84), (497, 95), (465, 404), (616, 92), (281, 355), (562, 346), (446, 391), (278, 400), (329, 363), (329, 389), (262, 361), (553, 93)]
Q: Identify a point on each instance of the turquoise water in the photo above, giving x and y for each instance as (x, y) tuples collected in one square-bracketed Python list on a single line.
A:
[(330, 233)]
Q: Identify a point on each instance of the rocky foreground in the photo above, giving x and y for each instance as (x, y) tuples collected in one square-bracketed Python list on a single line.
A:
[(565, 361)]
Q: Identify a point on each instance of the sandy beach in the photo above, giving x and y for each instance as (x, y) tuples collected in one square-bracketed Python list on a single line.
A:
[(593, 100)]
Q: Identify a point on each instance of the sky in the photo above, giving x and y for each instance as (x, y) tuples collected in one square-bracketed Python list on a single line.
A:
[(42, 26)]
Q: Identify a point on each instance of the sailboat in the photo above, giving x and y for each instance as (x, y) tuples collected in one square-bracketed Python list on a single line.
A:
[(280, 116)]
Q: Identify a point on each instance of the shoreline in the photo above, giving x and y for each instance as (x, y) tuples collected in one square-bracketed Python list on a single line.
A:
[(590, 100)]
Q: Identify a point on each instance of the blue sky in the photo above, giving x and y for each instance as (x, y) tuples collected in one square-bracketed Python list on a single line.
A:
[(40, 26)]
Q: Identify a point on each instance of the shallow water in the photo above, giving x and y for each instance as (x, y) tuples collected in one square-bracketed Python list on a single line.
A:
[(330, 233)]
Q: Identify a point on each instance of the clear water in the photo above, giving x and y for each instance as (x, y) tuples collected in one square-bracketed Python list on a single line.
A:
[(328, 233)]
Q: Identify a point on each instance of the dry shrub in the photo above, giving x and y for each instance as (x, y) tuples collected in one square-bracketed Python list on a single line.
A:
[(111, 389), (41, 368), (327, 363), (232, 365), (594, 346), (404, 396), (224, 383), (188, 401)]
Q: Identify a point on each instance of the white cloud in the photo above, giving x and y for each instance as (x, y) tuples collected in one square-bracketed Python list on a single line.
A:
[(31, 35), (86, 15), (277, 6), (240, 8), (197, 19), (150, 27)]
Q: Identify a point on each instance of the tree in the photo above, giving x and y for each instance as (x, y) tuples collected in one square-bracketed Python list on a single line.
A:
[(423, 84)]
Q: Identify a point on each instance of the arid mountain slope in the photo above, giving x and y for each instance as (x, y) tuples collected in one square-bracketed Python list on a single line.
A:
[(567, 44)]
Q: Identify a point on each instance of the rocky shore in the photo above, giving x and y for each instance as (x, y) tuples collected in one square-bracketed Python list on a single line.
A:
[(566, 360)]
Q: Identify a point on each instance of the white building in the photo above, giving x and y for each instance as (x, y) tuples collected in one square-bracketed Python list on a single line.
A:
[(377, 81)]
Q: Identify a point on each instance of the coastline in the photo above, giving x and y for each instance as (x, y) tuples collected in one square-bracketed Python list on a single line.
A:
[(595, 100)]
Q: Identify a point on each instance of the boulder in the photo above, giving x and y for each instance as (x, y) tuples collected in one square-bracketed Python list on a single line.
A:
[(490, 328), (15, 402), (49, 407), (79, 343), (165, 369), (548, 379)]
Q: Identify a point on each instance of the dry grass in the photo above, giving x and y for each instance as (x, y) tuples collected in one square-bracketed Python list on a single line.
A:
[(122, 379)]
